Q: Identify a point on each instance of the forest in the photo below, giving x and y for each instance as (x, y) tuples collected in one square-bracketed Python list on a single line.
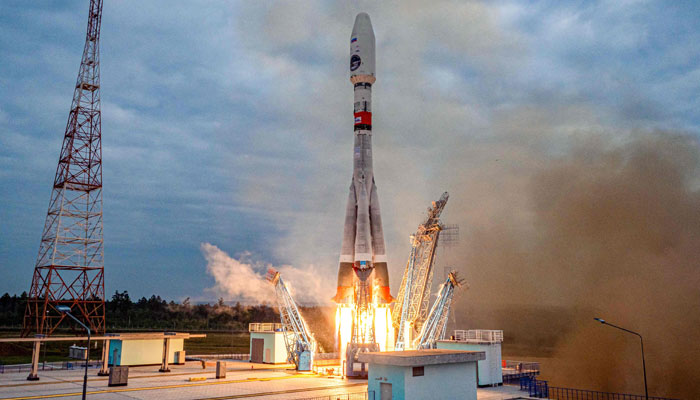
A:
[(155, 313)]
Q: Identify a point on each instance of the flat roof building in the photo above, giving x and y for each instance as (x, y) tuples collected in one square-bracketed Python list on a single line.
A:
[(267, 343), (422, 374), (489, 371)]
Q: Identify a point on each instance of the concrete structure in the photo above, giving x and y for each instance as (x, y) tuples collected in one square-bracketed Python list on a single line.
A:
[(490, 369), (241, 382), (423, 374), (129, 352), (220, 369), (267, 343), (163, 338)]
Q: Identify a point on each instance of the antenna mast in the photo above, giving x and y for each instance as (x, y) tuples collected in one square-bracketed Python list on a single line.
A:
[(70, 265)]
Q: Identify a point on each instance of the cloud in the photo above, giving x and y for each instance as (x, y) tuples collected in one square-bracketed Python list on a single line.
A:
[(239, 114)]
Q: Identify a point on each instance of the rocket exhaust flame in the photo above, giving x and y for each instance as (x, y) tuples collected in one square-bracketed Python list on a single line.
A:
[(364, 325)]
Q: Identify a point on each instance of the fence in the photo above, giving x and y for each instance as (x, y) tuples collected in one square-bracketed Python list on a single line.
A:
[(540, 389), (556, 393), (236, 356), (264, 327), (534, 387), (479, 335), (48, 366), (514, 370), (514, 379), (345, 396), (520, 367), (326, 356)]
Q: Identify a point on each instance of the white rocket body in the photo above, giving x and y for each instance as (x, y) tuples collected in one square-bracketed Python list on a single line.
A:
[(363, 254)]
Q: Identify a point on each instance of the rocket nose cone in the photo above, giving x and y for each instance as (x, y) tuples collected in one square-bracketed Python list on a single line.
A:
[(362, 24), (362, 47)]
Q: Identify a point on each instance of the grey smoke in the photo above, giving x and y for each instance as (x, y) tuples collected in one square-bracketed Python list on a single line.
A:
[(610, 227)]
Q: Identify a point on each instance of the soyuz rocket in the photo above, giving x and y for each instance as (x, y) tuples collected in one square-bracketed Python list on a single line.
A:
[(363, 254)]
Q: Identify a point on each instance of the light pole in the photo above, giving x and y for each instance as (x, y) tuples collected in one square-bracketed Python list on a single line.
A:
[(644, 366), (66, 310)]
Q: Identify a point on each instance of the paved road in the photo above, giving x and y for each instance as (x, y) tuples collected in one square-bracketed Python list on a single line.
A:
[(146, 383)]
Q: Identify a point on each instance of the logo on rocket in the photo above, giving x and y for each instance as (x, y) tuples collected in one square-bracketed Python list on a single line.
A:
[(355, 62)]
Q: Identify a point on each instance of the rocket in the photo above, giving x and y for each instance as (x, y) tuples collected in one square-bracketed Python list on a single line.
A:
[(363, 254)]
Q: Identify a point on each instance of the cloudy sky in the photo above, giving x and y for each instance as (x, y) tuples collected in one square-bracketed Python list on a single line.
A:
[(227, 126)]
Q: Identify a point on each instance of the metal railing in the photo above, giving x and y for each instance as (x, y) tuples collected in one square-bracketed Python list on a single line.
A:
[(327, 369), (326, 356), (369, 395), (557, 393), (265, 327), (479, 335), (534, 387), (234, 356), (48, 366), (514, 379), (513, 371), (520, 367), (541, 389)]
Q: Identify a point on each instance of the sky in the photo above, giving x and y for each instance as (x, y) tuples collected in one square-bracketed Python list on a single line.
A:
[(227, 126)]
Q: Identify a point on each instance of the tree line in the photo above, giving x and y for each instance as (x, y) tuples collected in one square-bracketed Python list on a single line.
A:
[(158, 314)]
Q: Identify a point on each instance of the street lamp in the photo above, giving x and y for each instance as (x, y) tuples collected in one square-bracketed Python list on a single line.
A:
[(66, 310), (644, 366)]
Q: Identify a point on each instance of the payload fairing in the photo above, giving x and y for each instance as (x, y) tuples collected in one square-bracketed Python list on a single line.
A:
[(363, 253)]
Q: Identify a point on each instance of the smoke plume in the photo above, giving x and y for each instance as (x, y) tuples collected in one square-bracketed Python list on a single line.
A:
[(609, 228), (244, 280), (540, 126)]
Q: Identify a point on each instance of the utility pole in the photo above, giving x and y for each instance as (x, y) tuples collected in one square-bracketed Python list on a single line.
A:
[(644, 364)]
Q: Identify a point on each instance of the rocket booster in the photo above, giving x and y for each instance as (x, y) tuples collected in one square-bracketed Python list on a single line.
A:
[(362, 255)]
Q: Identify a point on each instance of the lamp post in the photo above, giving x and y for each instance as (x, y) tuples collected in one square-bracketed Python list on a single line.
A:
[(644, 366), (66, 310)]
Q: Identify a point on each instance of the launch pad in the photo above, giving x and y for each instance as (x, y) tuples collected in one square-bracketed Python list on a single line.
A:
[(241, 382), (189, 381)]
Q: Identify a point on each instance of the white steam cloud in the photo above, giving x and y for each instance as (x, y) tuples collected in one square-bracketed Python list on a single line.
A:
[(244, 280)]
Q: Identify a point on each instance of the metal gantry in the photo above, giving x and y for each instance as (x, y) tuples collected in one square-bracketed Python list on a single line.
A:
[(299, 342), (414, 293), (435, 325), (70, 268)]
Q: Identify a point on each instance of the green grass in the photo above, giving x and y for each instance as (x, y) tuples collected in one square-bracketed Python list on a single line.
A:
[(9, 360), (219, 343), (21, 353)]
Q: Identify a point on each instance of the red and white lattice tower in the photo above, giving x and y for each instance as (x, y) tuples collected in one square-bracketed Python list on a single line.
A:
[(70, 266)]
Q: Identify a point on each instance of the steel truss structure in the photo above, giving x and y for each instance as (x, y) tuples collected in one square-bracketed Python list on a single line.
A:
[(297, 338), (411, 307), (435, 325), (70, 266)]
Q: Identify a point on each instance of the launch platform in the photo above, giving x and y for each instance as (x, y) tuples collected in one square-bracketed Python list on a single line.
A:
[(243, 380)]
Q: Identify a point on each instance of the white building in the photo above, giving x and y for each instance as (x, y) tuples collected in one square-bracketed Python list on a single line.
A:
[(422, 374), (267, 343), (490, 369)]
